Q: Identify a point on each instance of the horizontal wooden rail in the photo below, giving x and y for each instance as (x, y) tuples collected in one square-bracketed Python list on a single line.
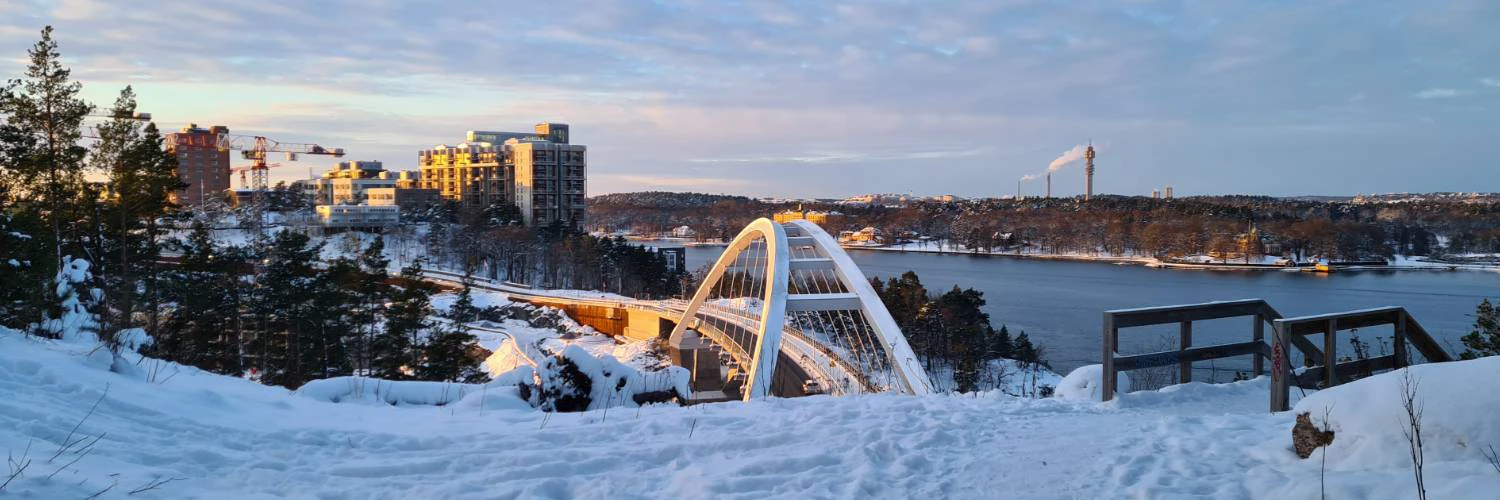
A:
[(1292, 331), (1167, 358), (1184, 315)]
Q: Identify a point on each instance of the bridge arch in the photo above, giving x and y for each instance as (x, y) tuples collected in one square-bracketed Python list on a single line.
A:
[(790, 289)]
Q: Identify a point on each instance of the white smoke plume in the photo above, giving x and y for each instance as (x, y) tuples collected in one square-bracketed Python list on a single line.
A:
[(1067, 157), (1030, 177)]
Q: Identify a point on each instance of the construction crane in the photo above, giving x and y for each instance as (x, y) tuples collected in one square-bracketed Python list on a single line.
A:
[(256, 148)]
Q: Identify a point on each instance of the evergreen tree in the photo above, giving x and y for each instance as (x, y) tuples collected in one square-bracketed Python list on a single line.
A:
[(281, 307), (336, 313), (1000, 344), (501, 213), (449, 353), (202, 327), (142, 178), (41, 120), (1024, 351), (371, 291), (396, 352), (1484, 340)]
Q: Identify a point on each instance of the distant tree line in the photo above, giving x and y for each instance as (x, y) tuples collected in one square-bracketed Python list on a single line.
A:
[(1116, 225)]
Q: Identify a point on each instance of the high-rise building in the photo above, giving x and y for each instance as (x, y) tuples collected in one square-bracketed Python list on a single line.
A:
[(201, 164), (473, 173), (1168, 192), (549, 180), (541, 173)]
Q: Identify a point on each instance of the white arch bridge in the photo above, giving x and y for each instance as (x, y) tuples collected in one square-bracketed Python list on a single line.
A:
[(784, 311)]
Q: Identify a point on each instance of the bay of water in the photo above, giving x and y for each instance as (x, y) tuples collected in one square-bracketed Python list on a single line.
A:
[(1060, 304)]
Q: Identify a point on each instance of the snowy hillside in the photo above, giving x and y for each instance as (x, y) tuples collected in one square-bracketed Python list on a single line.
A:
[(221, 437)]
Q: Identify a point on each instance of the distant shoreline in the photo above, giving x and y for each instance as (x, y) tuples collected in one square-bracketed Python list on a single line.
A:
[(1401, 264)]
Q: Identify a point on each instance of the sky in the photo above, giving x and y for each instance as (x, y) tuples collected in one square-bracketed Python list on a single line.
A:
[(832, 98)]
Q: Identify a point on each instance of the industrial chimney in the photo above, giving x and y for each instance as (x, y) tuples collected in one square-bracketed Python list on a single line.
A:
[(1049, 185), (1088, 155)]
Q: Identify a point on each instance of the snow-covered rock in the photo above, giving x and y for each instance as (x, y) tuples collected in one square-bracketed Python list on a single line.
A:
[(1458, 400), (1086, 383)]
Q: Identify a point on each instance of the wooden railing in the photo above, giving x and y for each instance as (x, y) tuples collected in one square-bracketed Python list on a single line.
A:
[(1288, 333), (1331, 372), (1184, 316)]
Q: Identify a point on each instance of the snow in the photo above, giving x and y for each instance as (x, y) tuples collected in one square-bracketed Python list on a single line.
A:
[(226, 437), (1086, 383), (403, 392), (1368, 416)]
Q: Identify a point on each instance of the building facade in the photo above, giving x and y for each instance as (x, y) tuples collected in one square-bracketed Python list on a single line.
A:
[(816, 217), (414, 198), (541, 173), (549, 181), (201, 164), (359, 216), (473, 173)]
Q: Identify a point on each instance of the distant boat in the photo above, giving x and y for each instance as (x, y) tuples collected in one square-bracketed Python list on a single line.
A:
[(1322, 267)]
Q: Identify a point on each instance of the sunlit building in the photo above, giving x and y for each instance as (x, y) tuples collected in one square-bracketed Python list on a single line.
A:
[(540, 172), (201, 164), (814, 216)]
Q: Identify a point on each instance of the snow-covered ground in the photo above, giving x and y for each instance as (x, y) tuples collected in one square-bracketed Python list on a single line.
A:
[(223, 437)]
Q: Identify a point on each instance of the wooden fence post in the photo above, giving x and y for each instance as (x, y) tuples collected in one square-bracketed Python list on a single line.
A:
[(1398, 348), (1330, 354), (1257, 365), (1111, 346), (1280, 367), (1185, 368)]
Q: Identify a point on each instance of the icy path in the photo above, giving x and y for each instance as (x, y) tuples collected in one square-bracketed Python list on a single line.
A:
[(232, 439)]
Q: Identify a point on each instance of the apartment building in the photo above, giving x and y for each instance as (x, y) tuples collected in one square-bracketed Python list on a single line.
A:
[(201, 164), (540, 172)]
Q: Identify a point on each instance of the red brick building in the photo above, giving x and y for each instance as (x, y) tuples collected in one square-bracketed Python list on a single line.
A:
[(200, 163)]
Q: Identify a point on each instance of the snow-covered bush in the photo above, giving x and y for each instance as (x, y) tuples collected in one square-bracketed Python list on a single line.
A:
[(575, 380), (76, 322), (1086, 383), (1367, 416)]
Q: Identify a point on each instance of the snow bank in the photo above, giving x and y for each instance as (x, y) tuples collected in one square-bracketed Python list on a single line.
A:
[(1459, 402), (1086, 383), (226, 437), (391, 392)]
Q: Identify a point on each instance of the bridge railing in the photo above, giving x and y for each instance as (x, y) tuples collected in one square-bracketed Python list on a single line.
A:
[(1332, 372)]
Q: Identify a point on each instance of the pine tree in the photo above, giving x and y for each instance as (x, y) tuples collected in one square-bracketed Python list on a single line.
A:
[(1484, 340), (1000, 344), (372, 292), (200, 329), (281, 307), (449, 353), (396, 352), (336, 313), (41, 120), (1025, 352), (142, 178)]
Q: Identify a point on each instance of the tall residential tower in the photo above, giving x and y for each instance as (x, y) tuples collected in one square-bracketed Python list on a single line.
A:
[(541, 173), (201, 164)]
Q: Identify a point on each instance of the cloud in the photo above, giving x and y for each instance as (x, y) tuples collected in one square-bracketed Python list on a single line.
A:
[(967, 93), (637, 181), (846, 157), (1440, 93)]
